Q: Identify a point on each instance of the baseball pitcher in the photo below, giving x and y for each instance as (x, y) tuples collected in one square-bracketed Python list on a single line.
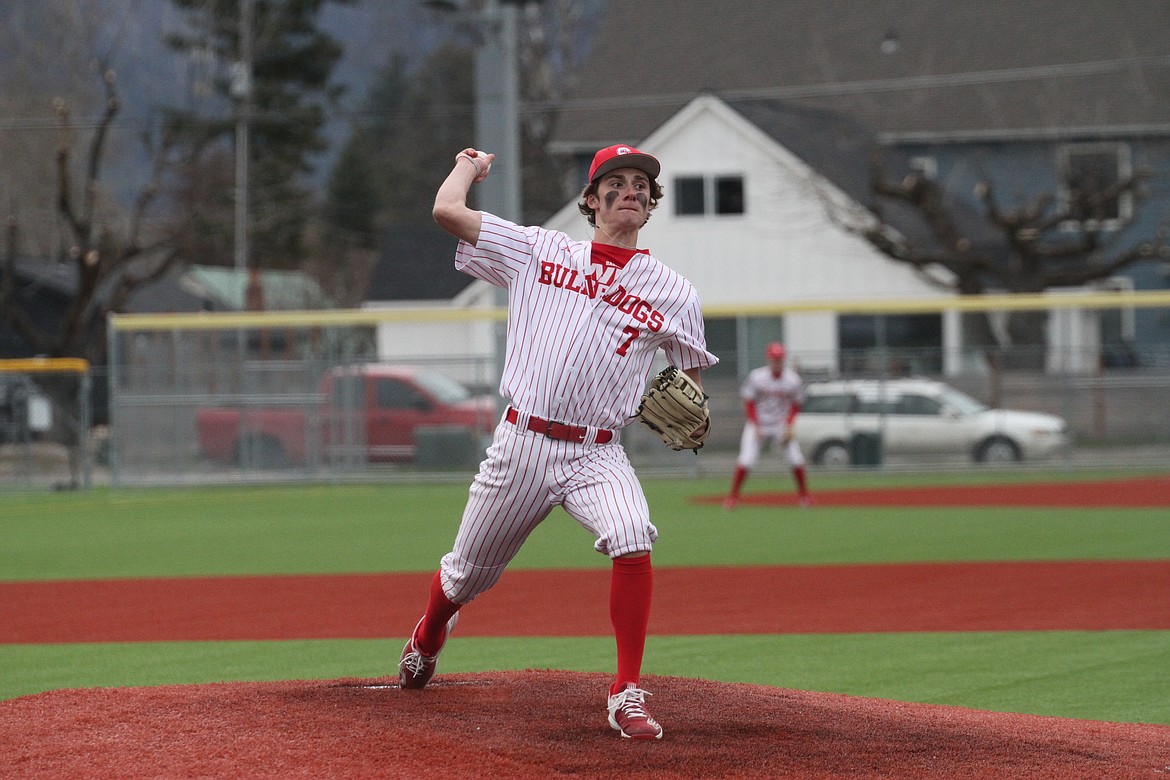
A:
[(585, 320)]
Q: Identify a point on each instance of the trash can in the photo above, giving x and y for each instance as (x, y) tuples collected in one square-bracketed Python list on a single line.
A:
[(865, 448), (446, 447)]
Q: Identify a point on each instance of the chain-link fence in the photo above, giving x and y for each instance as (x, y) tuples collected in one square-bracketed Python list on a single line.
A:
[(333, 396)]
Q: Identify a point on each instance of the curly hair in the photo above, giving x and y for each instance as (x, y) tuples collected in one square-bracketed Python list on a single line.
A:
[(591, 189)]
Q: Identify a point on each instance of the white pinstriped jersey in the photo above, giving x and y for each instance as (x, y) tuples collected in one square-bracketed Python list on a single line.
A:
[(773, 395), (582, 336)]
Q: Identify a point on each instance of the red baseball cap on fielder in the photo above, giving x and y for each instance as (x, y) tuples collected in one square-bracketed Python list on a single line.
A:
[(622, 156), (775, 351)]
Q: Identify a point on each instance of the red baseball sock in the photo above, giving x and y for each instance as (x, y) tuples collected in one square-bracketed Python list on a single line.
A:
[(631, 587), (737, 480), (432, 632), (801, 482)]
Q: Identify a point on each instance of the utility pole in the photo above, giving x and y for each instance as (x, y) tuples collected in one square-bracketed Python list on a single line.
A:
[(242, 92), (241, 89), (497, 100), (497, 119), (497, 130)]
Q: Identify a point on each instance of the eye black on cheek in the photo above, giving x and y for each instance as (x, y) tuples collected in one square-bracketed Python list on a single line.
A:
[(610, 198)]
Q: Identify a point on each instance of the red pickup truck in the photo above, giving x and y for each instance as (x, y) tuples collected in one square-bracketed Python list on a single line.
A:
[(371, 411)]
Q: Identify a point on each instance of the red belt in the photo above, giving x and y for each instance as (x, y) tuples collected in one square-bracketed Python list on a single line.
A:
[(559, 430)]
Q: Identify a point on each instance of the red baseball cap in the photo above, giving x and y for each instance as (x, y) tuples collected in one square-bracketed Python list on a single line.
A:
[(622, 156), (775, 351)]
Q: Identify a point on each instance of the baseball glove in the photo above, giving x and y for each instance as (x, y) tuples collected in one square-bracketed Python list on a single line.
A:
[(675, 407)]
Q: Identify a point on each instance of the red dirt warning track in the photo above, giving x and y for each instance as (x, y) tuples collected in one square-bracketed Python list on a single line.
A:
[(1031, 596)]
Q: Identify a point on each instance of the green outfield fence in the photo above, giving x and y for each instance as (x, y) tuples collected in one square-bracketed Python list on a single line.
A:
[(1100, 362)]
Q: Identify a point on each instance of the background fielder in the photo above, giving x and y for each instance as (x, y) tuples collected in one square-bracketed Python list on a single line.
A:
[(585, 320), (772, 395)]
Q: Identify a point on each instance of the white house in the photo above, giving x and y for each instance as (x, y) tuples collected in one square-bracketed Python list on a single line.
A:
[(760, 227), (787, 245)]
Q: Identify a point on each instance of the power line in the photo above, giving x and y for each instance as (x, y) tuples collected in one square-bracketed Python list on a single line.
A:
[(875, 86), (787, 92)]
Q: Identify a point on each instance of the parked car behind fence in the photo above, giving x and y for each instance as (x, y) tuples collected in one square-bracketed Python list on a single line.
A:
[(856, 422), (372, 412)]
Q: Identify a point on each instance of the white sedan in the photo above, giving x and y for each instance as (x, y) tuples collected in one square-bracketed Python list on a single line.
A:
[(854, 421)]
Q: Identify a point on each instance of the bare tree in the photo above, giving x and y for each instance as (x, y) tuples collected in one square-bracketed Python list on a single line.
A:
[(75, 210), (109, 261), (1049, 241), (109, 254), (43, 46)]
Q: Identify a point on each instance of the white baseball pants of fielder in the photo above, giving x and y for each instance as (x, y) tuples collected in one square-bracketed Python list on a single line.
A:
[(753, 440), (524, 477)]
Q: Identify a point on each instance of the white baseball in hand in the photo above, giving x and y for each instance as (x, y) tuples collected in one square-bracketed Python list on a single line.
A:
[(481, 160)]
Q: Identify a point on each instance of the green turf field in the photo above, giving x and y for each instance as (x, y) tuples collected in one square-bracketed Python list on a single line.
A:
[(1106, 675)]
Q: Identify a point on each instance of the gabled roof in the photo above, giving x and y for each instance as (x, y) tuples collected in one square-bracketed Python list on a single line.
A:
[(834, 145), (194, 288), (44, 284), (224, 289), (929, 69), (797, 218), (166, 294), (839, 150), (35, 276)]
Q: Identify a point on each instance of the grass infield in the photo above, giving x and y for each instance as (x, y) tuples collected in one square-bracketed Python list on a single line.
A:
[(1105, 675)]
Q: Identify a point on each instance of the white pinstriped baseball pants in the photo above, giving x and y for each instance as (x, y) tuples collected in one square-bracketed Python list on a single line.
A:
[(523, 478)]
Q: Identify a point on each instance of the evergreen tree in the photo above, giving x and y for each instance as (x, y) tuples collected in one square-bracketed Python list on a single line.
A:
[(417, 114), (291, 95), (351, 211)]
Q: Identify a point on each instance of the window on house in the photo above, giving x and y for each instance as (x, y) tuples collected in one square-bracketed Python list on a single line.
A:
[(689, 197), (722, 334), (740, 342), (896, 344), (696, 195), (1087, 171), (729, 195), (1118, 328)]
